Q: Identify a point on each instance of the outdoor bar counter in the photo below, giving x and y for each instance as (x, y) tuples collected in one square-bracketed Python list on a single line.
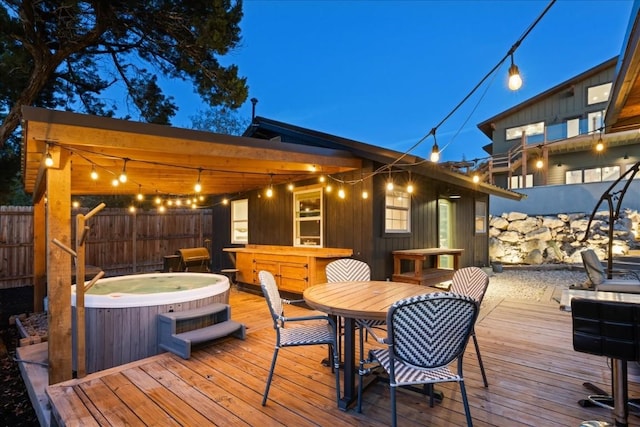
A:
[(294, 268)]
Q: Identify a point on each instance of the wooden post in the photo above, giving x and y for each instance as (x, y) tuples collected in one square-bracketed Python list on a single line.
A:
[(39, 255), (59, 269), (81, 230)]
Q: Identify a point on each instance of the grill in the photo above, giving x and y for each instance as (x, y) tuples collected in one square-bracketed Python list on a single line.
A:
[(194, 260)]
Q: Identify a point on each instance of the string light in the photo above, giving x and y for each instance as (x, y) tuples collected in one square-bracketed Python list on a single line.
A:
[(225, 201), (290, 187), (270, 189), (140, 197), (476, 178), (435, 150), (539, 164), (389, 182), (600, 144), (515, 80), (341, 193), (48, 160), (123, 175), (365, 194), (198, 186), (321, 178), (94, 173), (115, 182), (410, 185), (132, 209)]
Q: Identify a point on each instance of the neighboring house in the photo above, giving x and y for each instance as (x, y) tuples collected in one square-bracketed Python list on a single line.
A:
[(552, 138), (445, 209), (548, 148)]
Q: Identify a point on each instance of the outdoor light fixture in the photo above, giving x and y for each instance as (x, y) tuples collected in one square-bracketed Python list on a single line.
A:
[(600, 144), (410, 188), (123, 175), (158, 200), (270, 189), (290, 186), (515, 80), (476, 178), (225, 201), (435, 150), (140, 197), (328, 188), (341, 193), (539, 163), (389, 182), (48, 160), (321, 178), (94, 173), (365, 194), (198, 186)]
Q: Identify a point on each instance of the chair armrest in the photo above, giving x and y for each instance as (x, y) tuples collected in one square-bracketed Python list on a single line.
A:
[(292, 301), (301, 318)]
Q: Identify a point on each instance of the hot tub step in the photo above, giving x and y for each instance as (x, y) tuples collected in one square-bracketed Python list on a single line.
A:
[(180, 343)]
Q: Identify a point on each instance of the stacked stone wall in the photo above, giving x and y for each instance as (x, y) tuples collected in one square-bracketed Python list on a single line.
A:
[(517, 238)]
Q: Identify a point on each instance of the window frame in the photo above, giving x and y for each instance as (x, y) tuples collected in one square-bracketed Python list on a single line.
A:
[(394, 209), (299, 220), (599, 87), (240, 221)]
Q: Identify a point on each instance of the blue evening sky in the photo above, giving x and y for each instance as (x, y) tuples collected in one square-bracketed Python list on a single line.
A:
[(387, 72)]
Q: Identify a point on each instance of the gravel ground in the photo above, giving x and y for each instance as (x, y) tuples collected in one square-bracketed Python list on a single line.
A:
[(532, 284)]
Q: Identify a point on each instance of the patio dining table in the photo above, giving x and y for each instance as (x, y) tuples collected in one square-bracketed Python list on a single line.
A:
[(353, 300)]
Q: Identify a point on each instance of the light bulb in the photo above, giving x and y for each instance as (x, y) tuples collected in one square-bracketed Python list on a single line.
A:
[(290, 186), (600, 145), (269, 192), (197, 187), (539, 164), (476, 179), (410, 188), (515, 81), (94, 173), (365, 194), (123, 177), (341, 193), (140, 197), (435, 153), (48, 160), (115, 182), (390, 185), (132, 209)]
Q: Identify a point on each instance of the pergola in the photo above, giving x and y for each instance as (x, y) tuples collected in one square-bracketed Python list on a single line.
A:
[(158, 160)]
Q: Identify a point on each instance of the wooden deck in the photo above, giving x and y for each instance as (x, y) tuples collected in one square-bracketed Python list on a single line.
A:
[(535, 379)]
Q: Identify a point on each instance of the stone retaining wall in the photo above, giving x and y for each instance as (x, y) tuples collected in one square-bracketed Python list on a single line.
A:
[(517, 238)]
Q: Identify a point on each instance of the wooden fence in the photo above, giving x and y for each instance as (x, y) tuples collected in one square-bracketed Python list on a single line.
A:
[(118, 242)]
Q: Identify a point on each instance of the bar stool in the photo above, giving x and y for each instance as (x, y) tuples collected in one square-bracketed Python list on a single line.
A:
[(611, 329)]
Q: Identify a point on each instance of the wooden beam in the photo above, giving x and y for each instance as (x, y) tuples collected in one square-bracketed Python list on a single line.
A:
[(58, 220), (39, 255)]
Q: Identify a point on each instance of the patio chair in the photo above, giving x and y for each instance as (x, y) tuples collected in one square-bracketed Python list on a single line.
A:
[(598, 277), (472, 281), (320, 332), (427, 333)]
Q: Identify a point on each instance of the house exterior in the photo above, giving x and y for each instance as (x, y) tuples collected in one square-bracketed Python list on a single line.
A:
[(552, 138), (445, 209)]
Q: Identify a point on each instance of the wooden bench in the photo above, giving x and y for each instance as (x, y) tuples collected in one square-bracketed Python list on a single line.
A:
[(179, 330)]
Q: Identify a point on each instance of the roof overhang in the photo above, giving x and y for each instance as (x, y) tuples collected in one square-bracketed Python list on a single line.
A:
[(623, 112), (163, 159)]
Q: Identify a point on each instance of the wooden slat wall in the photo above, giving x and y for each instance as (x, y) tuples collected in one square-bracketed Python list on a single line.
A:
[(118, 242)]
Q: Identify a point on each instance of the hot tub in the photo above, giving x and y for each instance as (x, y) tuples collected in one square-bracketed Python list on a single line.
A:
[(120, 312)]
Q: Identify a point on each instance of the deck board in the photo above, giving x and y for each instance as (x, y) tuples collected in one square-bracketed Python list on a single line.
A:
[(535, 379)]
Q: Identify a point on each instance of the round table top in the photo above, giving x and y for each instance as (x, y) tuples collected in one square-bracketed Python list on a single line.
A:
[(360, 300)]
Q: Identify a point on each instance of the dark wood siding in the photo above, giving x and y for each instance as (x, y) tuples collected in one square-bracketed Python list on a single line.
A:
[(358, 223)]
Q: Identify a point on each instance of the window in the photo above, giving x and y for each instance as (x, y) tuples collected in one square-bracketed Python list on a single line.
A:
[(516, 181), (593, 175), (397, 212), (481, 217), (598, 94), (240, 221), (528, 130), (610, 173), (307, 218), (573, 177), (595, 121), (573, 127)]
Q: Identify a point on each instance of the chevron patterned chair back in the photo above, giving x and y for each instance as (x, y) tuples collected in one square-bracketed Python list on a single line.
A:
[(303, 333), (472, 281), (347, 270), (426, 333)]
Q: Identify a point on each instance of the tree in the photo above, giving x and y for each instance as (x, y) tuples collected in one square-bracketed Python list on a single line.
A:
[(69, 54), (220, 120)]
